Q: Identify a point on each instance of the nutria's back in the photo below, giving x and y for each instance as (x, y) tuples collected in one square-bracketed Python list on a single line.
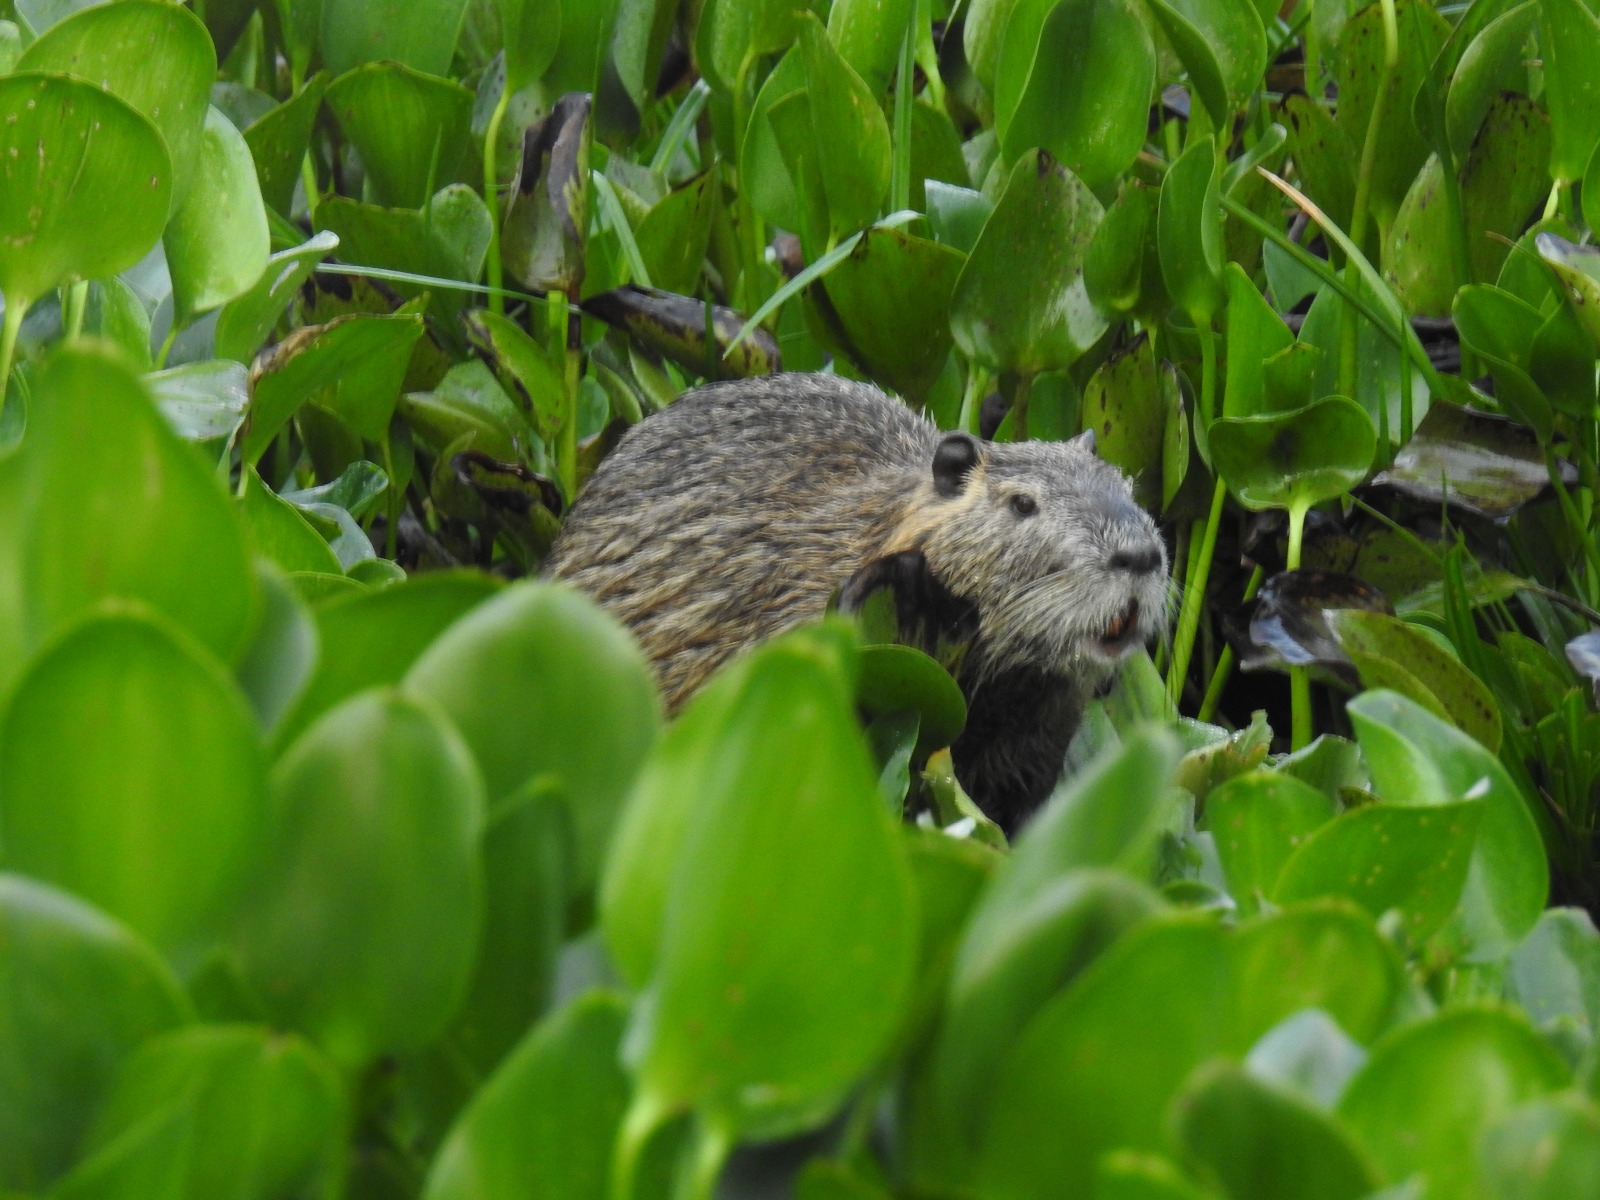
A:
[(736, 512)]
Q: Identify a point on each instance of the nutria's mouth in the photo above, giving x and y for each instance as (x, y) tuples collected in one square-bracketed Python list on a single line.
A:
[(1122, 630)]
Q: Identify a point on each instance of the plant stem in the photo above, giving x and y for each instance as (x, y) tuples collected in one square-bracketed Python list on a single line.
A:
[(711, 1146), (77, 301), (308, 169), (566, 336), (1363, 198), (10, 326), (166, 345), (1019, 408), (1194, 596), (1299, 680), (905, 80), (750, 290), (1219, 677), (972, 398), (491, 198)]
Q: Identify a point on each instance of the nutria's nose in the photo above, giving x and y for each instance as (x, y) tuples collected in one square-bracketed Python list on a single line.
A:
[(1143, 560)]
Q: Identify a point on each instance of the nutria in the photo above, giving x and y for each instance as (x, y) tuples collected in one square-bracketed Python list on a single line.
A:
[(740, 509)]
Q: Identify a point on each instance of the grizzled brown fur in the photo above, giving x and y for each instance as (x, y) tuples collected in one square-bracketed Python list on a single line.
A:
[(735, 513)]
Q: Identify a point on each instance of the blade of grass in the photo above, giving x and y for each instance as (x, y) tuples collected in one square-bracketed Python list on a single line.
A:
[(611, 208)]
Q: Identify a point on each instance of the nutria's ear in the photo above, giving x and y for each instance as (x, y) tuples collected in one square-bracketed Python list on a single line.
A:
[(953, 461), (1084, 441)]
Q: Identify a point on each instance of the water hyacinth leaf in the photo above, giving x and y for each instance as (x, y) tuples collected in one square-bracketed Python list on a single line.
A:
[(765, 159), (1020, 305), (1325, 159), (1500, 328), (352, 366), (371, 639), (530, 32), (420, 34), (1561, 353), (1296, 459), (1326, 956), (282, 651), (1079, 87), (1255, 333), (898, 678), (851, 132), (364, 928), (1435, 1086), (448, 238), (1222, 45), (409, 128), (1418, 759), (692, 333), (1126, 407), (278, 141), (522, 366), (1289, 626), (547, 214), (1487, 67), (133, 776), (1546, 1149), (1125, 1175), (1097, 1066), (1392, 653), (1480, 463), (156, 57), (868, 34), (542, 682), (673, 235), (1578, 268), (78, 992), (216, 241), (1554, 975), (468, 403), (1382, 857), (262, 1110), (1359, 72), (545, 1122), (1569, 44), (247, 321), (731, 32), (280, 533), (1119, 269), (789, 859), (1189, 233), (202, 402), (96, 199), (178, 547), (1259, 1139), (890, 298), (1258, 820)]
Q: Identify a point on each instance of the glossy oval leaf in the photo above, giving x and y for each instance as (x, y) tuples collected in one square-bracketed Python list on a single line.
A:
[(1258, 820), (78, 992), (1189, 232), (530, 32), (278, 141), (410, 129), (420, 34), (87, 184), (364, 928), (216, 241), (1547, 1149), (1569, 42), (852, 134), (247, 321), (1223, 46), (1295, 459)]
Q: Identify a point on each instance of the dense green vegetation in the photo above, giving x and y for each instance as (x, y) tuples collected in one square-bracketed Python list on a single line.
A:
[(333, 863)]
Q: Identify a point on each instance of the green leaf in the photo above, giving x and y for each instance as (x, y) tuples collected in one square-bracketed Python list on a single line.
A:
[(1418, 759), (1487, 66), (1259, 1139), (216, 242), (542, 682), (1126, 406), (247, 321), (278, 142), (787, 926), (900, 678), (1295, 459), (852, 134), (178, 546), (1554, 974), (1413, 859), (201, 401), (1431, 1089), (1547, 1149), (1079, 87), (1569, 43), (156, 57), (523, 367), (1189, 233), (673, 235), (263, 1111), (1120, 267), (1223, 46), (530, 32), (278, 661), (732, 32), (420, 34), (868, 34), (353, 366), (78, 993), (1392, 653), (545, 1122), (1124, 1175), (92, 203), (1258, 820), (131, 773), (364, 928), (410, 129), (1020, 304), (1097, 1067), (281, 533), (1255, 334)]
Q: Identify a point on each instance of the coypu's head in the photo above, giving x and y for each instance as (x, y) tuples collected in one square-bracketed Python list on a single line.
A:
[(1068, 573)]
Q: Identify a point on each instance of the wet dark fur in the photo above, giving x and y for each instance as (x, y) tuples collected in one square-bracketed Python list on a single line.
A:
[(736, 513)]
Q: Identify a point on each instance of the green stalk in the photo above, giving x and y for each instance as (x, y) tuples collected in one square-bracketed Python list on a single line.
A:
[(308, 170), (1219, 677), (972, 398), (1200, 568), (1363, 197), (77, 301), (166, 345), (905, 80), (565, 336), (1299, 680), (643, 1117), (1019, 407), (750, 290), (711, 1146), (491, 199), (10, 326)]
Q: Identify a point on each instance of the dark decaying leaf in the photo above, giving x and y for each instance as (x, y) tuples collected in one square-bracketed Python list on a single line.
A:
[(678, 328), (1476, 462), (1288, 626), (547, 215), (1584, 655)]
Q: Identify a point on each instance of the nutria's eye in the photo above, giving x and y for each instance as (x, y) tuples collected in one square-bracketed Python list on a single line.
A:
[(1024, 506)]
